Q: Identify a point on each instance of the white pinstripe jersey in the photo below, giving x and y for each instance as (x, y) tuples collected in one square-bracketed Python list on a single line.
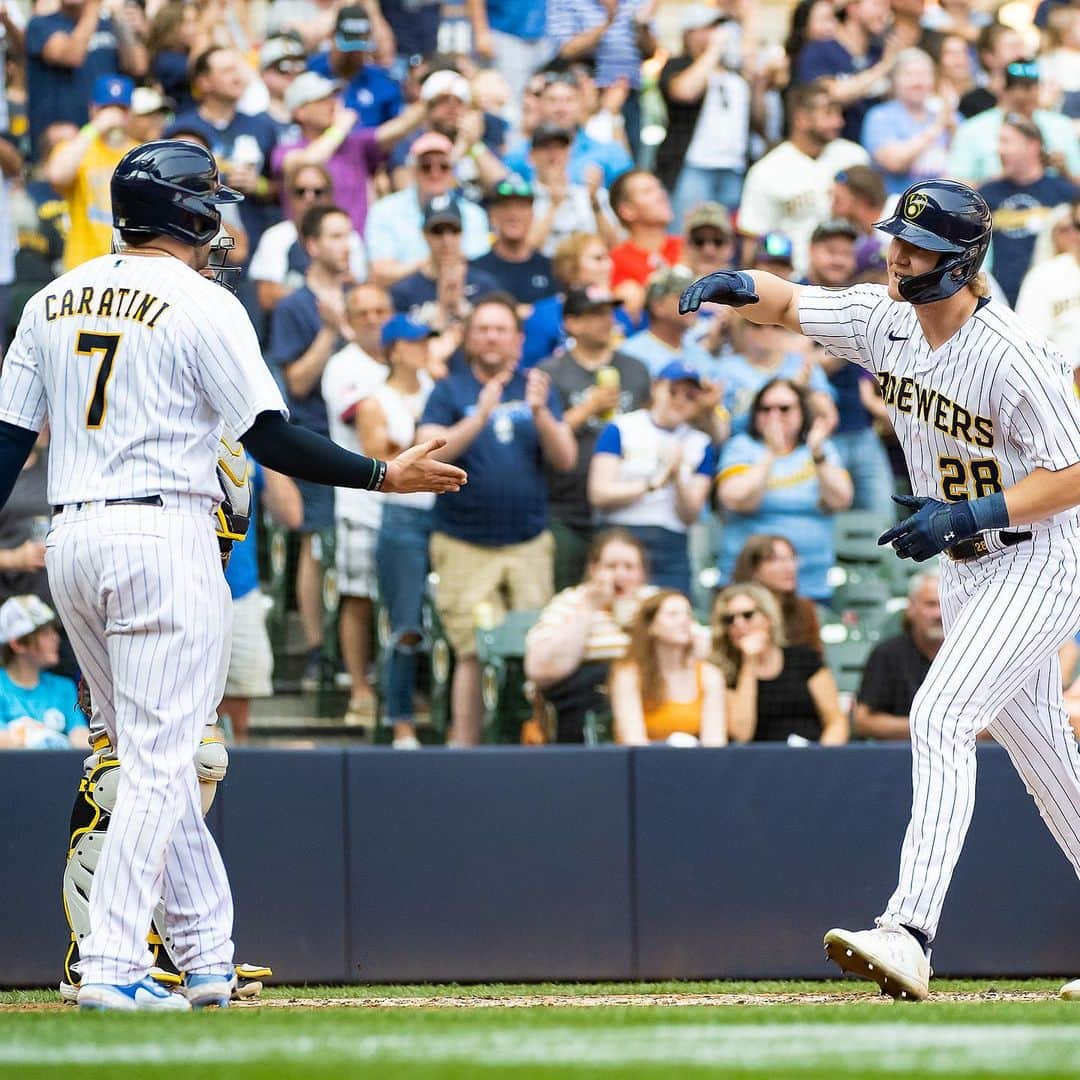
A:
[(136, 361), (974, 416)]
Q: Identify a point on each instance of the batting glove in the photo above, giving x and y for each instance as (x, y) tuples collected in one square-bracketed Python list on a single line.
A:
[(732, 287), (936, 525)]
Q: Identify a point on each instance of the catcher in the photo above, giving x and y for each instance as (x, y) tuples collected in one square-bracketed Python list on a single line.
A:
[(97, 789)]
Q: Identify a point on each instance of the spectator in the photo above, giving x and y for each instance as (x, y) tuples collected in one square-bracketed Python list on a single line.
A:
[(955, 70), (67, 51), (643, 208), (251, 658), (387, 426), (415, 26), (568, 653), (773, 562), (858, 197), (996, 46), (1049, 297), (908, 136), (856, 60), (774, 252), (349, 379), (369, 90), (304, 333), (581, 261), (478, 137), (974, 157), (329, 136), (832, 254), (81, 169), (318, 23), (512, 34), (776, 692), (703, 158), (783, 477), (709, 239), (811, 20), (562, 208), (1061, 62), (37, 709), (652, 471), (513, 260), (661, 692), (561, 104), (150, 114), (178, 31), (759, 358), (788, 189), (593, 384), (897, 667), (394, 229), (242, 144), (491, 543), (446, 280), (281, 61), (24, 522), (618, 35), (667, 336), (281, 260), (1021, 200)]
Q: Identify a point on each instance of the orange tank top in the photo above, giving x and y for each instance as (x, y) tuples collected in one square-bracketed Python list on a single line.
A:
[(671, 716)]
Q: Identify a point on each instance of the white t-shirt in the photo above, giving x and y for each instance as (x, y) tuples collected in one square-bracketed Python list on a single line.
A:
[(722, 132), (403, 412), (788, 192), (349, 377), (271, 259), (575, 214), (1049, 300), (137, 361)]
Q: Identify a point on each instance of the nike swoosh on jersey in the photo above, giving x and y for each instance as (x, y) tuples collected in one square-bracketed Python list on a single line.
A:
[(898, 337)]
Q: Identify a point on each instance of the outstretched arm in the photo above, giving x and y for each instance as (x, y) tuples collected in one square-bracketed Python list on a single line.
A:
[(760, 296)]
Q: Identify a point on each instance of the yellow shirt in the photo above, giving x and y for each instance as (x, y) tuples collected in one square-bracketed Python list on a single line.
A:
[(90, 205)]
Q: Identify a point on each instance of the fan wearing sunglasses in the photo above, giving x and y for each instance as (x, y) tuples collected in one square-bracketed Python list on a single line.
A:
[(782, 476), (775, 690)]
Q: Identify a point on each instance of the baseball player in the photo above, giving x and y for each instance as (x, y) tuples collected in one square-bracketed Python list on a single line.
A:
[(138, 362), (990, 427)]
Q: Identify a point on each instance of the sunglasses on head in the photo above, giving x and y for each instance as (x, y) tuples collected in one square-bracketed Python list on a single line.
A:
[(731, 618), (434, 166), (309, 192)]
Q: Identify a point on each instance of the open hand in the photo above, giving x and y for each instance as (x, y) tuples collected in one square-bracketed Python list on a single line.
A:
[(417, 470)]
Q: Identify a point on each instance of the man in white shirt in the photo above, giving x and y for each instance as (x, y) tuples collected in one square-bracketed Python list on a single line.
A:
[(788, 189), (349, 377)]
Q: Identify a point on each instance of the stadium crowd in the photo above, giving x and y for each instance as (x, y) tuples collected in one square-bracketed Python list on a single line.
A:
[(475, 223)]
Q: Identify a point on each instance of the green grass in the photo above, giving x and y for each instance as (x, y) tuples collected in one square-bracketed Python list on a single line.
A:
[(801, 1041)]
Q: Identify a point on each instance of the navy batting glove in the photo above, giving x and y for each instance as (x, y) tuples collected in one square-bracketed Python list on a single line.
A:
[(732, 287), (936, 525)]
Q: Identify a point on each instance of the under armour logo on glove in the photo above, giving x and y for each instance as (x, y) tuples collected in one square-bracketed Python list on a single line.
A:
[(732, 287), (933, 527)]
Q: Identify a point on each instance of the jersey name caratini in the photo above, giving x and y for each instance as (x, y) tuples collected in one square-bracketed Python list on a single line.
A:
[(137, 360), (975, 415)]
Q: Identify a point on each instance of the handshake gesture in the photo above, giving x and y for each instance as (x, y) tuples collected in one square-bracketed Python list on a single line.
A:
[(732, 287)]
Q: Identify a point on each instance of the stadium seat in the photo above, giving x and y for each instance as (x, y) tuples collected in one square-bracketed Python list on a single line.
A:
[(846, 660), (855, 537), (860, 598), (501, 652)]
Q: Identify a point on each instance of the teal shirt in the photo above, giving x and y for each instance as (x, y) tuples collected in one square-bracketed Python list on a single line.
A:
[(52, 703), (974, 155)]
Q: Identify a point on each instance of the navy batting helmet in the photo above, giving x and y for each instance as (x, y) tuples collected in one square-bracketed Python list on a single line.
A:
[(169, 188), (944, 216)]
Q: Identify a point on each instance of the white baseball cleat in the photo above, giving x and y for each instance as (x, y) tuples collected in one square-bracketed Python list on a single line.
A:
[(142, 996), (210, 989), (1071, 991), (887, 955)]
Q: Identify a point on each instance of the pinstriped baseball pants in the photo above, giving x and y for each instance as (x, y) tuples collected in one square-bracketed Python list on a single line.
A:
[(1005, 616), (141, 594)]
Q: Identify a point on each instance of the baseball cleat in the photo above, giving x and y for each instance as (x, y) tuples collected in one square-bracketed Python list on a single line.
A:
[(69, 993), (203, 991), (142, 996), (887, 955), (249, 981), (1071, 991)]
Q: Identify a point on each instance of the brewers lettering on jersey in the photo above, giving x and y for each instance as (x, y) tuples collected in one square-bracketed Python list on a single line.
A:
[(989, 422), (136, 360)]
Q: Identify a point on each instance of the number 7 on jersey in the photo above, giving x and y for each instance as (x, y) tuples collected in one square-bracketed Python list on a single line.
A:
[(86, 344)]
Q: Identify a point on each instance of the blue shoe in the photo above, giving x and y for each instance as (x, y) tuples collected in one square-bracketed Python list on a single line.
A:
[(142, 996), (204, 990)]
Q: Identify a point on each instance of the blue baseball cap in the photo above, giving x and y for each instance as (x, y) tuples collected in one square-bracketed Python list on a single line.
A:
[(774, 247), (679, 371), (402, 328), (112, 90)]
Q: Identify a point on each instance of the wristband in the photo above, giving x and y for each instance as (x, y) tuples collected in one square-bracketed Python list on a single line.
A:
[(262, 186), (989, 512), (335, 133), (819, 459), (87, 129), (475, 150), (378, 475)]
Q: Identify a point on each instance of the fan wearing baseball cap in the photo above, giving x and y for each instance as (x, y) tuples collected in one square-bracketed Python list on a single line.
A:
[(368, 90), (37, 709), (81, 168)]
